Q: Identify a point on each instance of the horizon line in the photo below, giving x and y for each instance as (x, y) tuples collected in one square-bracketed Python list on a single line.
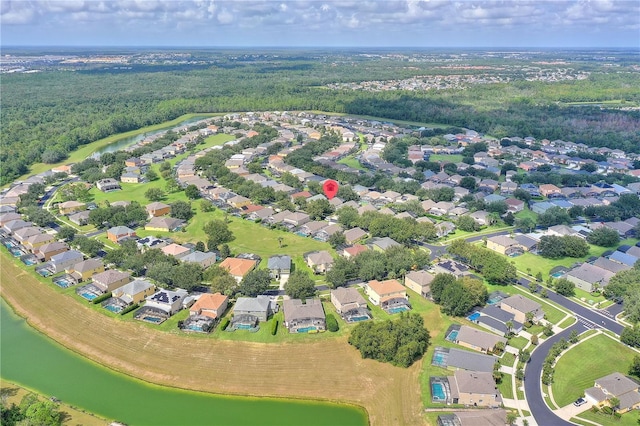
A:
[(308, 47)]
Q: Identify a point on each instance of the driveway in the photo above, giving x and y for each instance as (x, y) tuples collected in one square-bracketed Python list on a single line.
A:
[(571, 410)]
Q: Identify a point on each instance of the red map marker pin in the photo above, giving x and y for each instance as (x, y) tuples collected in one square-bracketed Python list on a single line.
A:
[(330, 188)]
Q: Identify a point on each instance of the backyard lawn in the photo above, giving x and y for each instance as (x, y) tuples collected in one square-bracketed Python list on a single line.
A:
[(351, 161), (505, 386), (578, 369), (451, 158)]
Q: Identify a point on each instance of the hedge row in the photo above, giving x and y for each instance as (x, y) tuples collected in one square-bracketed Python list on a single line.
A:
[(101, 298)]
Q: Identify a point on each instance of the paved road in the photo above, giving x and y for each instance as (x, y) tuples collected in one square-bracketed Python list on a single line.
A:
[(590, 317), (532, 374)]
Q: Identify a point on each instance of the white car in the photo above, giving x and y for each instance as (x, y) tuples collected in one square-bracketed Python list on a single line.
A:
[(580, 401)]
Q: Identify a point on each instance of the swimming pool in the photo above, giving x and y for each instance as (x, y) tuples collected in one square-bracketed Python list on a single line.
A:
[(29, 262), (64, 283), (494, 300), (88, 296), (397, 309), (155, 320), (113, 308), (358, 318), (474, 316), (439, 358), (437, 390), (307, 329), (453, 336), (557, 274), (194, 327), (243, 327), (16, 252)]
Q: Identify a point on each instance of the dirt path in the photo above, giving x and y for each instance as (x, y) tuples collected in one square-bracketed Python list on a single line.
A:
[(330, 370)]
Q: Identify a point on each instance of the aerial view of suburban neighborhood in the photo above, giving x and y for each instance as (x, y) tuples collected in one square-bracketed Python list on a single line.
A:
[(321, 237)]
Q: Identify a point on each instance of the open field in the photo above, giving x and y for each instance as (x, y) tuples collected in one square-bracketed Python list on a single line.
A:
[(351, 161), (390, 394), (577, 369), (451, 158), (71, 416)]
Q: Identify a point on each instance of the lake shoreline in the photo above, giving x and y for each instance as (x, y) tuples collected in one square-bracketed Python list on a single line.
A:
[(229, 389)]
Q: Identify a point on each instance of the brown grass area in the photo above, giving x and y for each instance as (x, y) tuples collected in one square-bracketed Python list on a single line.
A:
[(329, 370)]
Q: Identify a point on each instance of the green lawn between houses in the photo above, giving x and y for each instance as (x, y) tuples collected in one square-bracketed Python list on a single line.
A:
[(589, 360), (351, 161), (628, 419), (505, 386), (446, 158)]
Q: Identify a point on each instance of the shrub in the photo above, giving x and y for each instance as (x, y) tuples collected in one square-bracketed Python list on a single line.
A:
[(332, 323), (129, 309), (101, 298), (224, 324), (274, 327), (534, 340)]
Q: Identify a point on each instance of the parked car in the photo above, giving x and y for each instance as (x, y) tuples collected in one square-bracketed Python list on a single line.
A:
[(580, 401)]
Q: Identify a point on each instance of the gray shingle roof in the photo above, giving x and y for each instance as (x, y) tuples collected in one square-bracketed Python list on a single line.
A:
[(470, 360)]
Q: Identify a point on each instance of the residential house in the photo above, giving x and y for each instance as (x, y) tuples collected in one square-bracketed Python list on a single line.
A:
[(325, 233), (353, 235), (260, 307), (623, 258), (204, 259), (166, 300), (549, 190), (8, 217), (35, 241), (474, 388), (86, 269), (495, 319), (69, 207), (520, 306), (297, 219), (175, 250), (451, 267), (615, 385), (347, 299), (108, 185), (441, 208), (496, 417), (319, 261), (508, 187), (481, 217), (279, 265), (354, 250), (63, 260), (238, 268), (46, 251), (311, 228), (514, 205), (134, 292), (131, 177), (478, 340), (588, 277), (467, 360), (164, 224), (624, 229), (302, 317), (80, 218), (386, 293), (610, 265), (13, 226), (382, 244), (444, 228), (210, 305), (260, 214), (527, 243), (23, 234), (420, 282), (110, 280), (504, 245), (157, 209), (239, 201), (562, 231), (119, 233)]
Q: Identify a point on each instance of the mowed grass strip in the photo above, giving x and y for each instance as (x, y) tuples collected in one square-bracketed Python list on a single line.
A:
[(591, 359), (628, 419), (329, 369)]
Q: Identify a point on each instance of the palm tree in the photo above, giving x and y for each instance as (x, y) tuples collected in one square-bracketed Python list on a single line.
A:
[(509, 325), (280, 239)]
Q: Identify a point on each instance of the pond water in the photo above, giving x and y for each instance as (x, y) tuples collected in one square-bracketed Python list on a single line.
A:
[(31, 359), (123, 143)]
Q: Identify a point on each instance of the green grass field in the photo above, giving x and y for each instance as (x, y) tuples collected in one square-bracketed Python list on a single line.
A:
[(351, 161), (578, 369), (628, 419), (447, 158), (505, 386)]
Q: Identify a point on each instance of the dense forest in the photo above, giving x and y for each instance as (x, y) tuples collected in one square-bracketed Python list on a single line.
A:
[(48, 114)]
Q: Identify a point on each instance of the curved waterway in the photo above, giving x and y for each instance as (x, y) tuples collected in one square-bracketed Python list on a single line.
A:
[(31, 359), (126, 142)]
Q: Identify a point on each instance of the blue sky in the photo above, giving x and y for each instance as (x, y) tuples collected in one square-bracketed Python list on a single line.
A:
[(384, 23)]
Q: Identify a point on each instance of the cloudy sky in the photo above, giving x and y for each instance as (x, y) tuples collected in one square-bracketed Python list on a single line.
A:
[(393, 23)]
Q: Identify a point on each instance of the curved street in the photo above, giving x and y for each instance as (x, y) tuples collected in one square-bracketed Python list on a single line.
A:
[(533, 373)]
